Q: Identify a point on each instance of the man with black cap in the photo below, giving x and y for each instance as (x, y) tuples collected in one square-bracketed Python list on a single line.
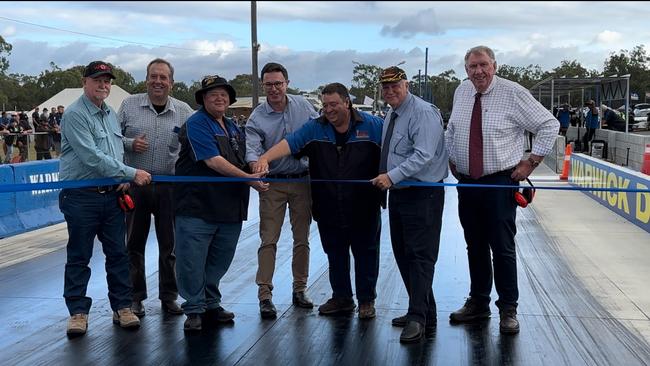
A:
[(209, 215), (150, 122), (91, 148), (413, 149)]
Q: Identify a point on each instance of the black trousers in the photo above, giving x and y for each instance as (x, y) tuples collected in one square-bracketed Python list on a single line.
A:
[(488, 219), (151, 199), (415, 222), (363, 239)]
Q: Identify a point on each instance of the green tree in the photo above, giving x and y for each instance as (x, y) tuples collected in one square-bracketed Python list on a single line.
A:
[(635, 63), (525, 76), (5, 51), (365, 82), (243, 84)]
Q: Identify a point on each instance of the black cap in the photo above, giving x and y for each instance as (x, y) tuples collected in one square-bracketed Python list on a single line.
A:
[(98, 68), (213, 82)]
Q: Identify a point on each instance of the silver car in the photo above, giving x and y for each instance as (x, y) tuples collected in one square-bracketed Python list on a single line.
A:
[(640, 113)]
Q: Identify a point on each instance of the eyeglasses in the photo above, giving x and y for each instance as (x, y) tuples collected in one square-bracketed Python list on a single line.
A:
[(276, 84)]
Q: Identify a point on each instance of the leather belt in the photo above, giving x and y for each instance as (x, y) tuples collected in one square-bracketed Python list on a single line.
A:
[(288, 176), (102, 189)]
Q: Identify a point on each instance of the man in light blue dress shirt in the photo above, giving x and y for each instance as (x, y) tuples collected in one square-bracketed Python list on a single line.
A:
[(91, 145)]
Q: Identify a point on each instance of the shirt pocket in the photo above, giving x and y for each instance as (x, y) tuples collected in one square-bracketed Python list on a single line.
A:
[(402, 146)]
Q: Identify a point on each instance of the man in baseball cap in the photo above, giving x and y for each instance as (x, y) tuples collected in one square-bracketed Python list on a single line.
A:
[(98, 68)]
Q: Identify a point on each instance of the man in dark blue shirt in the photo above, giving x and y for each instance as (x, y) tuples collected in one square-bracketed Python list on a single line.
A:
[(342, 144)]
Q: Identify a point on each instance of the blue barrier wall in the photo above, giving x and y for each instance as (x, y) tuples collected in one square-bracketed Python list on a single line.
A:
[(32, 209), (592, 173), (9, 221)]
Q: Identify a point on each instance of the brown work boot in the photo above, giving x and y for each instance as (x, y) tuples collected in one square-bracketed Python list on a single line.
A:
[(471, 311), (336, 306), (509, 323), (367, 310), (125, 318), (77, 324)]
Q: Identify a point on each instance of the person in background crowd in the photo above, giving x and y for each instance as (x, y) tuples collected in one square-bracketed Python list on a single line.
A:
[(92, 148), (485, 138), (267, 125), (55, 127), (563, 116), (150, 123), (592, 122)]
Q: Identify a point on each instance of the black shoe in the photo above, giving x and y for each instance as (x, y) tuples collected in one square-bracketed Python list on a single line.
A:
[(267, 309), (192, 323), (337, 306), (170, 307), (301, 300), (471, 311), (412, 332), (218, 315), (509, 323), (430, 326), (137, 307)]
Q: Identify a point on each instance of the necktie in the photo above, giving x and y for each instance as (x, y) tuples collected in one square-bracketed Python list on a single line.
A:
[(385, 146), (476, 140)]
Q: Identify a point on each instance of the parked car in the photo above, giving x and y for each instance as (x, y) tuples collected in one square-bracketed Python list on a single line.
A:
[(641, 113)]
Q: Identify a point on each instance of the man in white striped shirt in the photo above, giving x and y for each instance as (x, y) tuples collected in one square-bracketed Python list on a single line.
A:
[(485, 138)]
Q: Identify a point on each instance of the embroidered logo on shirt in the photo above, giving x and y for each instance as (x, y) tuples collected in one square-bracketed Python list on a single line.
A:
[(362, 134)]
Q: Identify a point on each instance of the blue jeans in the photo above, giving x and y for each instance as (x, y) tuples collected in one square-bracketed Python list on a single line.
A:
[(89, 214), (204, 252)]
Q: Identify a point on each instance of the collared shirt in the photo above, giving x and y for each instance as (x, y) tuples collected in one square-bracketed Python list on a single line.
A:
[(138, 117), (266, 127), (91, 143), (508, 110), (417, 147)]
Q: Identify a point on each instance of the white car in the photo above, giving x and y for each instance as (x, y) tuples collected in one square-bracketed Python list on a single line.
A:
[(641, 112)]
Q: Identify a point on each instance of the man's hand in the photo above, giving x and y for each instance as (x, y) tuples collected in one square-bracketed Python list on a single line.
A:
[(261, 166), (140, 144), (123, 187), (141, 177), (382, 181), (522, 171), (258, 185)]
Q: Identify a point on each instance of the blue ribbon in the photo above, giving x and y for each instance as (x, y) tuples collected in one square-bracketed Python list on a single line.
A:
[(20, 187)]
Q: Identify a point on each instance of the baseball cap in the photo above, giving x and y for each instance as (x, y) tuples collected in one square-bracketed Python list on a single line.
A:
[(98, 68)]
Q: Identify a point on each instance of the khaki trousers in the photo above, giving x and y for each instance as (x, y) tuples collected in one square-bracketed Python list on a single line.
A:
[(273, 205)]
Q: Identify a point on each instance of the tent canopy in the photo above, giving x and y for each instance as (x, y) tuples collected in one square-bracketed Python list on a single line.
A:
[(66, 96)]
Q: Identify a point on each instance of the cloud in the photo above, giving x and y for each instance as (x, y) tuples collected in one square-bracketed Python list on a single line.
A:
[(608, 37), (422, 22), (8, 31)]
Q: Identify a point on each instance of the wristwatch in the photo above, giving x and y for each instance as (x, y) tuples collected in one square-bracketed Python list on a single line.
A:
[(533, 162)]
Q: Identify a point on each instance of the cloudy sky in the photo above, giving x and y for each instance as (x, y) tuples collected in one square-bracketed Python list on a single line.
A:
[(317, 41)]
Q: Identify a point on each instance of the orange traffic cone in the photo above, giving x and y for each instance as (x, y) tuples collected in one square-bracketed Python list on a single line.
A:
[(645, 168), (567, 162)]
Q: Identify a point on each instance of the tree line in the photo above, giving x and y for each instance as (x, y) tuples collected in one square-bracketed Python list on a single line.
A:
[(24, 92)]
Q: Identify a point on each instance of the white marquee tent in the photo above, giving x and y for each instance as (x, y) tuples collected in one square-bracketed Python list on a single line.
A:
[(66, 96)]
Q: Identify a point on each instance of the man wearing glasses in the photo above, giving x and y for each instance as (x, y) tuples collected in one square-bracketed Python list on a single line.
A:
[(269, 123)]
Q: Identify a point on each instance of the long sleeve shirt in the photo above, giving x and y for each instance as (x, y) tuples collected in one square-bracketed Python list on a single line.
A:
[(508, 110), (417, 146), (138, 117), (266, 127), (91, 143)]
